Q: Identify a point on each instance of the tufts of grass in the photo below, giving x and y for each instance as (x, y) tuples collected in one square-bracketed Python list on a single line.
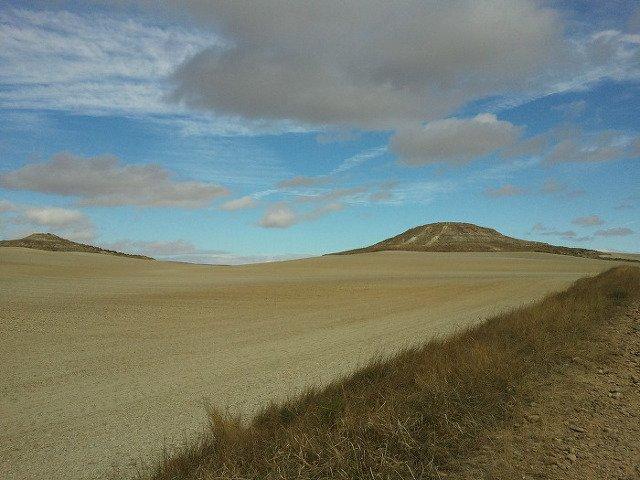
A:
[(416, 414)]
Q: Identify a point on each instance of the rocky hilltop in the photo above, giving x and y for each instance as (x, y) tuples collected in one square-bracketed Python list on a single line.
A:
[(466, 237), (54, 243)]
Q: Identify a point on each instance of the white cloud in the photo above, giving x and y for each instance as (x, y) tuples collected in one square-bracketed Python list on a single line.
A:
[(68, 223), (53, 216), (104, 181), (281, 215), (239, 204), (453, 140)]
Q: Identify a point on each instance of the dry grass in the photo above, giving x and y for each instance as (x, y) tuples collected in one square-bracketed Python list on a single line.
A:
[(416, 414)]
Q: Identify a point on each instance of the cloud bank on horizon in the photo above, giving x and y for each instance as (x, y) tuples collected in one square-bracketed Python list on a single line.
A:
[(333, 123)]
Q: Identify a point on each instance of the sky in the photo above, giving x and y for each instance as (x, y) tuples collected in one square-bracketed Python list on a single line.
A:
[(238, 132)]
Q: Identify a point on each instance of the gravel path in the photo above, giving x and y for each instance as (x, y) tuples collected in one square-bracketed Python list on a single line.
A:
[(583, 424)]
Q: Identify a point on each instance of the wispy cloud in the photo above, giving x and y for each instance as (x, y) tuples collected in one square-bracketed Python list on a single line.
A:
[(359, 159), (98, 64), (241, 203)]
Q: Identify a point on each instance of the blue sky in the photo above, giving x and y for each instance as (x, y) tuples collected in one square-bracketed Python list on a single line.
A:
[(228, 132)]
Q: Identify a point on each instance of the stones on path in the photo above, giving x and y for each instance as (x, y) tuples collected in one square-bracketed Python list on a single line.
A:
[(586, 422)]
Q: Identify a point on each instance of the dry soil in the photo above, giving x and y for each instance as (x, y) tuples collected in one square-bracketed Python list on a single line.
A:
[(104, 359)]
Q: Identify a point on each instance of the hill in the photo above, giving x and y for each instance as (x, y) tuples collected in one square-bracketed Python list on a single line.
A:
[(54, 243), (466, 237)]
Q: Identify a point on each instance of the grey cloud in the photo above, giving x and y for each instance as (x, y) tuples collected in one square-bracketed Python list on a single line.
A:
[(369, 63), (588, 221), (453, 140), (615, 232), (100, 64), (104, 181), (507, 190), (529, 147)]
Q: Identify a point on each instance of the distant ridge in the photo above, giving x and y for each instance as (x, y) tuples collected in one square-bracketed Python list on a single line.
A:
[(466, 237), (54, 243)]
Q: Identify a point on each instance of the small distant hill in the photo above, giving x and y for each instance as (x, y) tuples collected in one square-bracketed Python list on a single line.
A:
[(466, 237), (54, 243)]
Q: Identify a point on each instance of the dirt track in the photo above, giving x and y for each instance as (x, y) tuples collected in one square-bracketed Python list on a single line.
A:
[(583, 423), (105, 359)]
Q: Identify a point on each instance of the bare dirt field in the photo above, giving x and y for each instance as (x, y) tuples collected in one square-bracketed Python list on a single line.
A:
[(104, 359)]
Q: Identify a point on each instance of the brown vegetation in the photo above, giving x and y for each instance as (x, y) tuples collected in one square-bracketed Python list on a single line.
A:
[(466, 237), (54, 243), (417, 414)]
